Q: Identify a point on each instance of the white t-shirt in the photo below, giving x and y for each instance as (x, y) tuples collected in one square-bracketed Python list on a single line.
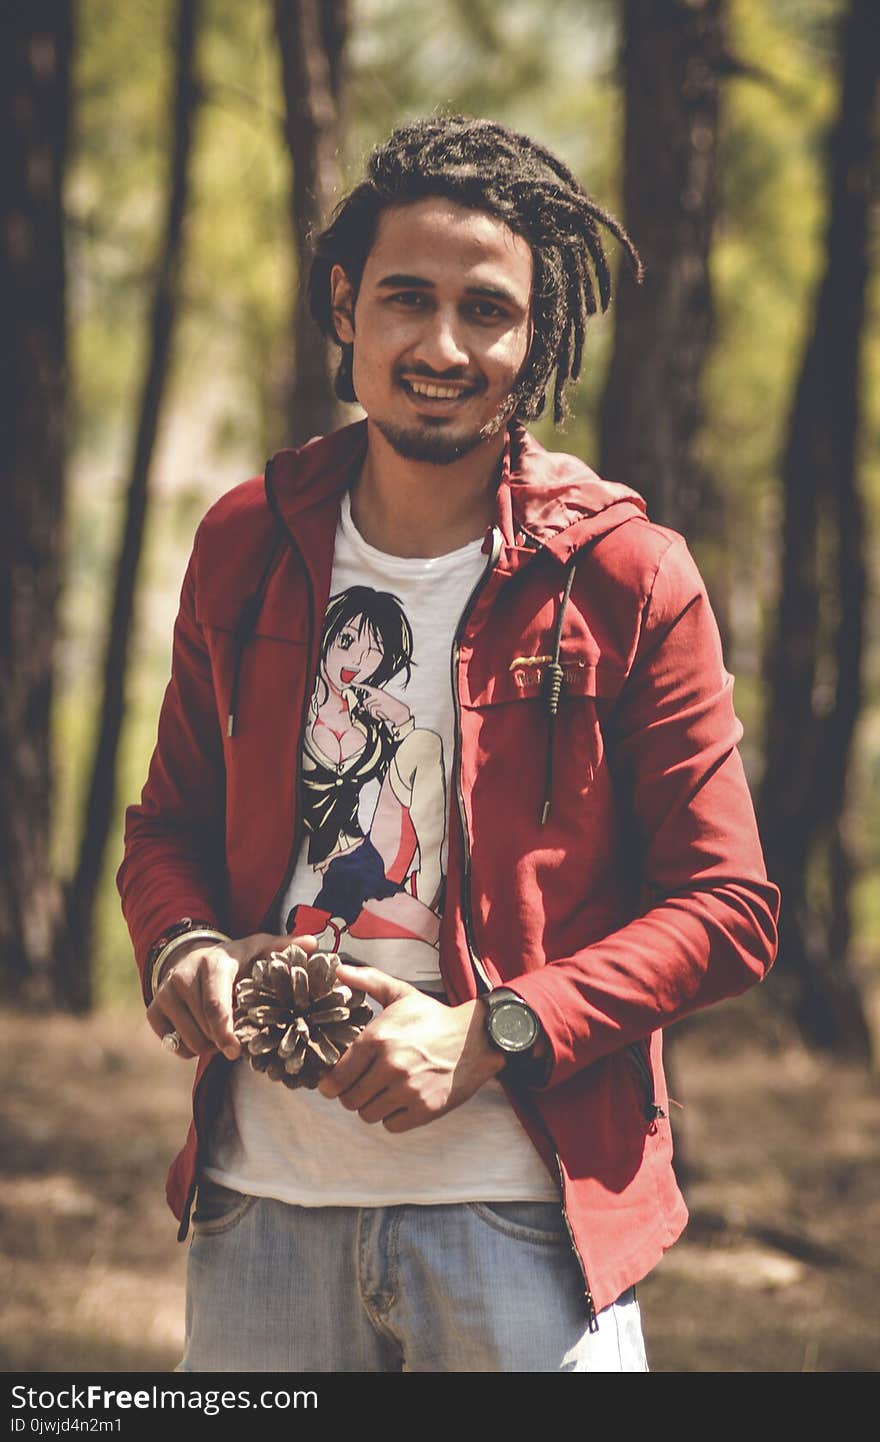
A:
[(369, 881)]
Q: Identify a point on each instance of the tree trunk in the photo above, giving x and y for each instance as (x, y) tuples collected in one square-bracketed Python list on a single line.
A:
[(311, 36), (673, 59), (814, 678), (650, 413), (83, 889), (35, 54)]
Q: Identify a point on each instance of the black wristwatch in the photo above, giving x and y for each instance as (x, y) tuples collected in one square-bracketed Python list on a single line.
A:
[(512, 1028)]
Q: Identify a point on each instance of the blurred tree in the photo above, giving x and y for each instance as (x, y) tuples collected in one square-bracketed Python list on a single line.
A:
[(674, 61), (674, 58), (35, 56), (814, 665), (77, 943), (765, 259), (311, 37)]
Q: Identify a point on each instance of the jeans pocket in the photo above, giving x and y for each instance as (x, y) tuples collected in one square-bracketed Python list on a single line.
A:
[(218, 1208), (541, 1223)]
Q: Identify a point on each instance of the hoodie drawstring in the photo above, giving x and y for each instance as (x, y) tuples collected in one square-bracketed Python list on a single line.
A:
[(553, 687)]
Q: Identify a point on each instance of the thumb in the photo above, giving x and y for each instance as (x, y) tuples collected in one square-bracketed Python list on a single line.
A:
[(263, 943), (378, 984)]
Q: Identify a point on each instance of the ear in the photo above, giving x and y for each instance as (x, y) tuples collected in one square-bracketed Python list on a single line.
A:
[(342, 305)]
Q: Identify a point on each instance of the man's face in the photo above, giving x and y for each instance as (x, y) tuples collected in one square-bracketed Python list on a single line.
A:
[(441, 327)]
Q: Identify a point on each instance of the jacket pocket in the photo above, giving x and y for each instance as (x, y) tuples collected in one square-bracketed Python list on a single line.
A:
[(524, 677), (639, 1057), (516, 745)]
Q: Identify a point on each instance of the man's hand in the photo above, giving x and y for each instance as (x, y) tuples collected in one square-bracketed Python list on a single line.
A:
[(194, 997), (416, 1060)]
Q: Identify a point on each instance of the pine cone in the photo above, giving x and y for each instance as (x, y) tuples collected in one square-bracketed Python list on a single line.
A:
[(293, 1019)]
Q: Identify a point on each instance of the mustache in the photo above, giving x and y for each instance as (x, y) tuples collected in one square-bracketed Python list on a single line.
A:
[(453, 373)]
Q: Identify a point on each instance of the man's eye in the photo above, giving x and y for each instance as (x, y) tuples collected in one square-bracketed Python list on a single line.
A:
[(411, 298), (345, 641), (486, 310)]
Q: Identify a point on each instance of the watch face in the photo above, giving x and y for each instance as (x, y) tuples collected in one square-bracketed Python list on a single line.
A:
[(512, 1026)]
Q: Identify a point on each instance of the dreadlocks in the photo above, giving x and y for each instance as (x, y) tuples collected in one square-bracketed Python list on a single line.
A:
[(484, 166)]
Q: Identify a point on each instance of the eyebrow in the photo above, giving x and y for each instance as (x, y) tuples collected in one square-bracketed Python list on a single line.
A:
[(419, 282)]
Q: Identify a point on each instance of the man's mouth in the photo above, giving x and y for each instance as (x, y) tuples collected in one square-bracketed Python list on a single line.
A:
[(347, 675), (437, 390)]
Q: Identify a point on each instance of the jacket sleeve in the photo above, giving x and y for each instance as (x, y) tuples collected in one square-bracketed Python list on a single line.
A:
[(708, 928), (173, 864)]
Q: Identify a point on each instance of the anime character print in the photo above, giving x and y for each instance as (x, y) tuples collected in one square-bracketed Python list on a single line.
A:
[(373, 791)]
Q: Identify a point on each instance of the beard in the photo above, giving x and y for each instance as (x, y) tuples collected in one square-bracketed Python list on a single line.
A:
[(434, 446), (419, 443)]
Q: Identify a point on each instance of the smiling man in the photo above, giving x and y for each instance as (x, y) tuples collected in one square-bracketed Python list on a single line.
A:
[(444, 342), (453, 707)]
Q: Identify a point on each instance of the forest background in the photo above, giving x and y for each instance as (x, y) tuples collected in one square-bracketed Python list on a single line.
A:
[(201, 142)]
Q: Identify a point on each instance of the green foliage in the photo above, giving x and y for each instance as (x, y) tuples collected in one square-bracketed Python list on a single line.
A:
[(122, 92), (765, 264), (769, 242)]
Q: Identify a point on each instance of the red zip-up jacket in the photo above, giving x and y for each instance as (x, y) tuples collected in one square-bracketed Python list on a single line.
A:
[(604, 862)]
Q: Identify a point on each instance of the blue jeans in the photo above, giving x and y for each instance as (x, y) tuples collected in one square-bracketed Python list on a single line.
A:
[(477, 1287)]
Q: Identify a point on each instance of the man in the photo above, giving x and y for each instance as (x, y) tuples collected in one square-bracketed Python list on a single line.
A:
[(450, 706)]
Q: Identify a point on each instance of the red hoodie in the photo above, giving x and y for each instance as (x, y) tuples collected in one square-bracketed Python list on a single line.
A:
[(604, 862)]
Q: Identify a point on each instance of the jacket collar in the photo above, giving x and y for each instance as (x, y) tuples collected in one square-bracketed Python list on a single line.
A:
[(556, 500), (544, 498), (323, 468)]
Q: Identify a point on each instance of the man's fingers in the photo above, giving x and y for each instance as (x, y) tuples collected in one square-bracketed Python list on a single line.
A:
[(400, 1121), (377, 984), (348, 1072), (194, 999), (308, 942), (216, 1009), (168, 1013), (180, 1050), (187, 1027), (195, 996), (162, 1026), (380, 1107)]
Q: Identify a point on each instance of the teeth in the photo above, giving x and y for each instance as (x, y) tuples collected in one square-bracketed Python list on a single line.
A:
[(434, 392)]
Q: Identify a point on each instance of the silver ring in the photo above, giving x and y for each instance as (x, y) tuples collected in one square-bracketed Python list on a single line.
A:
[(171, 1041)]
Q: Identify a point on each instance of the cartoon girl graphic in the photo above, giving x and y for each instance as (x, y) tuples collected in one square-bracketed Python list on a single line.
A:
[(381, 880)]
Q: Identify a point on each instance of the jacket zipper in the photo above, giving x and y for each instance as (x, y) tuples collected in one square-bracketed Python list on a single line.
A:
[(484, 983), (477, 965), (637, 1051)]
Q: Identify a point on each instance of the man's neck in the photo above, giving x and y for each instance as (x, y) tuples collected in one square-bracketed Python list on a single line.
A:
[(414, 508)]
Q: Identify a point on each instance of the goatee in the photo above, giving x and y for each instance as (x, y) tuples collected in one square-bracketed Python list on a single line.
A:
[(423, 443), (433, 447)]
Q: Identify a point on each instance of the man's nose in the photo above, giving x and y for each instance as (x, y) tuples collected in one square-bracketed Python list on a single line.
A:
[(441, 345)]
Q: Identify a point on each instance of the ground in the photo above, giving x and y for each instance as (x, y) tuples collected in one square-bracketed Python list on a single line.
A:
[(778, 1272)]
